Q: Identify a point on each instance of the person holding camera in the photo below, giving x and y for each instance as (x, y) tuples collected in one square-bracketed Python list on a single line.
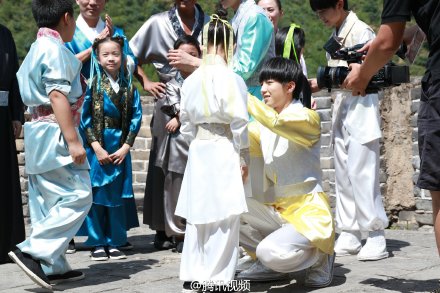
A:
[(380, 50), (355, 135)]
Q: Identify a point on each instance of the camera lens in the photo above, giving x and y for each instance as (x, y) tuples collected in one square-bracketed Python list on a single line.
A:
[(331, 77), (338, 75)]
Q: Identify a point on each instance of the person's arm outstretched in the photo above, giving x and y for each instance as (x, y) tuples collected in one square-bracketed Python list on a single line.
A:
[(380, 51), (302, 127)]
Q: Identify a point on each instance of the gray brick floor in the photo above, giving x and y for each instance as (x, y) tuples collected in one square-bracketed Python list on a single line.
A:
[(413, 266)]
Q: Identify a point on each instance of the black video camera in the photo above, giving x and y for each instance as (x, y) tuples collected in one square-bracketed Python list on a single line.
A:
[(332, 77)]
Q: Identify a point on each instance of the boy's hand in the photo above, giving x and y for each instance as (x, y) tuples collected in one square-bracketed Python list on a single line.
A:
[(244, 173), (172, 125), (119, 156), (77, 152)]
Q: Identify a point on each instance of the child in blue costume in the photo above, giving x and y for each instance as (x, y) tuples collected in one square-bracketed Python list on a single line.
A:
[(110, 121), (89, 26)]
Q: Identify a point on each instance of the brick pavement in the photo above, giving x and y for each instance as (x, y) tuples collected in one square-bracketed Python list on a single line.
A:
[(413, 266)]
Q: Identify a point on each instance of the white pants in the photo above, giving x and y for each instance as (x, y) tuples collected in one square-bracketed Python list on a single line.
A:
[(59, 201), (276, 243), (358, 200), (210, 251)]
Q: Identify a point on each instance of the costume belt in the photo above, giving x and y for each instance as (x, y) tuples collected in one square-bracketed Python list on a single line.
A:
[(214, 131), (296, 189), (44, 113), (110, 122), (4, 97)]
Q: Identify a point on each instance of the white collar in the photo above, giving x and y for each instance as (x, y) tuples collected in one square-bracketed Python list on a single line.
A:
[(113, 83), (346, 26), (196, 17), (295, 104), (90, 32)]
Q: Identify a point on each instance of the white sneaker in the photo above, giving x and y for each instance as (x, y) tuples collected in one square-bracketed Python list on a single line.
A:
[(321, 273), (244, 263), (260, 273), (375, 248), (348, 243)]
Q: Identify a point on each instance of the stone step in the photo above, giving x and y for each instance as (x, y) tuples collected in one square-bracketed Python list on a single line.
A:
[(323, 102), (147, 105), (142, 143), (144, 132), (141, 155), (325, 114)]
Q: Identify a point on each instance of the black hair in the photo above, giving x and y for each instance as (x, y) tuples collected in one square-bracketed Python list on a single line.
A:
[(278, 2), (116, 39), (48, 13), (188, 40), (324, 4), (299, 40), (283, 70), (216, 28)]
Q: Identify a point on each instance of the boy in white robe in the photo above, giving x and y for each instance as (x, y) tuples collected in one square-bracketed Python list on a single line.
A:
[(214, 119)]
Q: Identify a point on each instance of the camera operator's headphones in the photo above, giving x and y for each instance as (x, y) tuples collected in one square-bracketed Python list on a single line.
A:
[(289, 42)]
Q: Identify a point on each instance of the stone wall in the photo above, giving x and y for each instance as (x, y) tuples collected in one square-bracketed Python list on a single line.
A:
[(407, 206)]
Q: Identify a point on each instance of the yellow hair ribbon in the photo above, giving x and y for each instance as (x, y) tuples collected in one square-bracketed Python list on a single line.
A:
[(289, 42), (228, 49)]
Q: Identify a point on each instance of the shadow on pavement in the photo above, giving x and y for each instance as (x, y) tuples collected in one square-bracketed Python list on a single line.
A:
[(403, 285), (105, 272), (296, 283), (395, 245)]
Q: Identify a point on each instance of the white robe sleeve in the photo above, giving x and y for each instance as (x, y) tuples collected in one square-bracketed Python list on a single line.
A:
[(241, 116), (187, 128)]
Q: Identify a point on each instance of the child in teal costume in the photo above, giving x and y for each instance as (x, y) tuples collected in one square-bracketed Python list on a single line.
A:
[(110, 121)]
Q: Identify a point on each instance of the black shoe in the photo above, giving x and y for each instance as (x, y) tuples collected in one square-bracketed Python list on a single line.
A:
[(191, 286), (178, 247), (162, 242), (70, 276), (71, 248), (31, 267), (114, 253), (126, 246), (98, 253)]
